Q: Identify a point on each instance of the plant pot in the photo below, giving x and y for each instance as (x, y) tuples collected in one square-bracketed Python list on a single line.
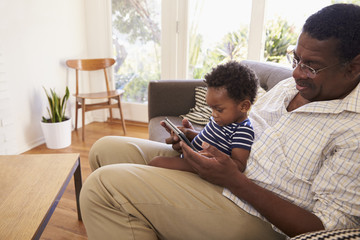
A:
[(57, 135)]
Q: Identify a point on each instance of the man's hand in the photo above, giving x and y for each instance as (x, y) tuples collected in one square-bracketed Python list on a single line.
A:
[(186, 128), (211, 164)]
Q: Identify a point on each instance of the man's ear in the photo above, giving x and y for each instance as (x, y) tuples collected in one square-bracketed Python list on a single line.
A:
[(245, 105), (354, 67)]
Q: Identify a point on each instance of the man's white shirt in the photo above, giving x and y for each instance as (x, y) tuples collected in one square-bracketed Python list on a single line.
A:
[(310, 156)]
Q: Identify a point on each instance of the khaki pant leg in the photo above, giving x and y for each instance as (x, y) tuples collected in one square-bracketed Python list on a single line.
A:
[(131, 201), (116, 149)]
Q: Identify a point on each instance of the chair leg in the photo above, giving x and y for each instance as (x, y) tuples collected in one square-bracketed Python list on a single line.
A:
[(121, 115), (83, 119), (110, 111), (76, 113)]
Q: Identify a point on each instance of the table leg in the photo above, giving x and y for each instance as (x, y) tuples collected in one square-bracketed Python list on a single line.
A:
[(78, 185)]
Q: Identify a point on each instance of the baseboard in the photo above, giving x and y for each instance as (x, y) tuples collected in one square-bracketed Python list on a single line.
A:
[(130, 122), (31, 145)]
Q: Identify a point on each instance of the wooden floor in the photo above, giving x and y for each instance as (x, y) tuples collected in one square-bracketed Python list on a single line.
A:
[(64, 224)]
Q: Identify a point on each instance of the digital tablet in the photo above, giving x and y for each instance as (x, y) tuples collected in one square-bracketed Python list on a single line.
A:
[(178, 133)]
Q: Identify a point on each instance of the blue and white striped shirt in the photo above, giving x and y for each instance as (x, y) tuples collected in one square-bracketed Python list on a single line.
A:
[(234, 135)]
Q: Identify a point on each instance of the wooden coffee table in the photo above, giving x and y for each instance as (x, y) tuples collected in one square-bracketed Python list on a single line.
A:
[(31, 186)]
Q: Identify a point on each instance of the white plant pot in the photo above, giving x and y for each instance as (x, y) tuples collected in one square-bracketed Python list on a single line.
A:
[(57, 135)]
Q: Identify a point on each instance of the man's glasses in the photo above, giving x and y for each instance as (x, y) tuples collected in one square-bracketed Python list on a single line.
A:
[(309, 71)]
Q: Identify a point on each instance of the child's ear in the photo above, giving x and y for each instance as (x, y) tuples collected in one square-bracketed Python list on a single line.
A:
[(244, 106)]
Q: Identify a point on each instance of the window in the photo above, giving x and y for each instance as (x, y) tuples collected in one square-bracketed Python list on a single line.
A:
[(198, 34), (136, 40), (218, 32), (283, 25)]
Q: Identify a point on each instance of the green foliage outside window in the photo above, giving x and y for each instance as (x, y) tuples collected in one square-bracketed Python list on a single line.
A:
[(136, 41), (346, 1), (137, 22), (232, 47), (279, 36)]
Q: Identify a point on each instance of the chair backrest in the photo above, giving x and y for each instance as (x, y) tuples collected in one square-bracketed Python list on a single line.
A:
[(90, 65)]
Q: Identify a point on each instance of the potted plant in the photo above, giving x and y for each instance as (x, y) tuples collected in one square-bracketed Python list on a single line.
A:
[(57, 127)]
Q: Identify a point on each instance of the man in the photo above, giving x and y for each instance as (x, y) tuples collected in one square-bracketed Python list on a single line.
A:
[(303, 170)]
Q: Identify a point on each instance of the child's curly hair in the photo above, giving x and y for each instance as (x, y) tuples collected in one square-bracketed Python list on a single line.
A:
[(239, 80)]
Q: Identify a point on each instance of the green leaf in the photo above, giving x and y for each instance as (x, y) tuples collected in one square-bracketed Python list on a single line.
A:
[(57, 106)]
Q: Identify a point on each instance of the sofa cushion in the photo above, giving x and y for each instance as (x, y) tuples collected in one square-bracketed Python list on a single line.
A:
[(201, 113), (341, 234)]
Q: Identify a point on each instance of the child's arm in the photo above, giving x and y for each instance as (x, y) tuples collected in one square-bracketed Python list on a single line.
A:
[(240, 156), (175, 163)]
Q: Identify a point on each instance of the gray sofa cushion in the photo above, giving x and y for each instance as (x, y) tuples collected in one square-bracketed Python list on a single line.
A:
[(201, 113), (269, 74)]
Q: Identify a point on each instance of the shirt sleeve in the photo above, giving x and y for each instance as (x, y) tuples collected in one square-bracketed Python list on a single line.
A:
[(337, 186), (243, 138), (198, 139)]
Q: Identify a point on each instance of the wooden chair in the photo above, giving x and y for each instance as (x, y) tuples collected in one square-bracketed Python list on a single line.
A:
[(108, 95)]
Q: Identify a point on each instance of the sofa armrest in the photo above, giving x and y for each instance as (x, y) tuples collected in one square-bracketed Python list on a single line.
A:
[(171, 97)]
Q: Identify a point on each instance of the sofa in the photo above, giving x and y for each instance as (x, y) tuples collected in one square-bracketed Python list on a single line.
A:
[(172, 98)]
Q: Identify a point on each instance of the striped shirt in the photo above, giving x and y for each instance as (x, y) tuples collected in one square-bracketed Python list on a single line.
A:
[(234, 135), (310, 156)]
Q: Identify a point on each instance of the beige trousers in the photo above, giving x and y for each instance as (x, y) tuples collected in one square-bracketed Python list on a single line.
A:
[(136, 201)]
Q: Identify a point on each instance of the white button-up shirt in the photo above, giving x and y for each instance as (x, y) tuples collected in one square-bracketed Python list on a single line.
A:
[(310, 156)]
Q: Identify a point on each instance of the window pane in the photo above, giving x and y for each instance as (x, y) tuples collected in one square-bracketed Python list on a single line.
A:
[(218, 32), (283, 25), (136, 40)]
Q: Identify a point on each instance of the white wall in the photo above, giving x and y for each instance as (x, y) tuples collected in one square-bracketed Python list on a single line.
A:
[(36, 37), (99, 42)]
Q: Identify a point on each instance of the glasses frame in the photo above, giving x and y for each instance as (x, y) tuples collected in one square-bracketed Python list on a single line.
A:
[(309, 71)]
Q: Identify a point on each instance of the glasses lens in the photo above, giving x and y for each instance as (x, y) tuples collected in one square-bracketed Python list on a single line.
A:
[(292, 60), (309, 71)]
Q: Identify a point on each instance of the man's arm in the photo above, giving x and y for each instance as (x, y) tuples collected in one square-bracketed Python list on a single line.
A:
[(175, 163), (223, 171)]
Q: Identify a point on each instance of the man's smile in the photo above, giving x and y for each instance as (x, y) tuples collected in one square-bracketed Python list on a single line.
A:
[(302, 85)]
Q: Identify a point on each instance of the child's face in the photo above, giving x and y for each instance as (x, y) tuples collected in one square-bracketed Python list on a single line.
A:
[(224, 109)]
